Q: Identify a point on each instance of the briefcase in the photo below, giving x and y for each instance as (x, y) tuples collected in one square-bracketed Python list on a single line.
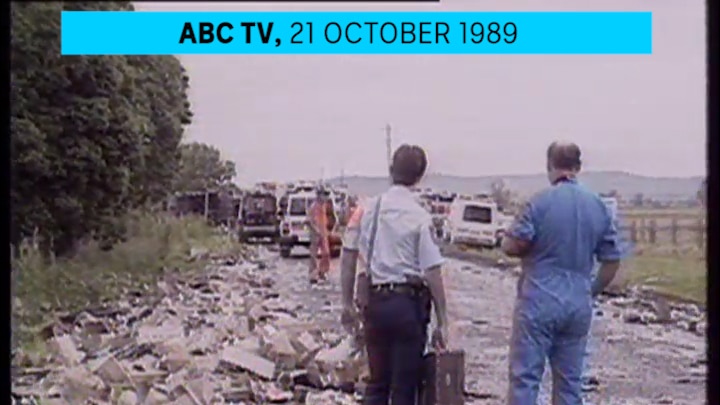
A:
[(444, 379)]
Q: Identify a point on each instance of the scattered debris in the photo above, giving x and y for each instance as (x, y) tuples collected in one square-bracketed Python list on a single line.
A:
[(231, 335), (223, 335)]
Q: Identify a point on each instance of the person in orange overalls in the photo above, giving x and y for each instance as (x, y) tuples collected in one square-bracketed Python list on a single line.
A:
[(319, 237)]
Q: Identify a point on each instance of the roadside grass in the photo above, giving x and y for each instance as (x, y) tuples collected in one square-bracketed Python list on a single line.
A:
[(675, 273), (677, 276), (676, 270), (44, 286)]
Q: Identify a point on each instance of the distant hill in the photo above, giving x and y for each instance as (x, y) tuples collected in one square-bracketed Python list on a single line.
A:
[(627, 184)]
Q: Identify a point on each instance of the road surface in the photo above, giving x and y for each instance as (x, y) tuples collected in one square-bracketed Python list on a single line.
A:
[(636, 362)]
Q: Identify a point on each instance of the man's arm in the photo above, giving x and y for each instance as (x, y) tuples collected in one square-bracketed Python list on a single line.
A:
[(518, 240), (434, 279), (608, 254), (348, 270), (349, 258), (430, 261)]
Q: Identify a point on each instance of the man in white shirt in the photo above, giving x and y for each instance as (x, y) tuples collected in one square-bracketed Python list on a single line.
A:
[(392, 233)]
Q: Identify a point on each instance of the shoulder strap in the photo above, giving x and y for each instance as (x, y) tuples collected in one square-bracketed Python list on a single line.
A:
[(373, 233)]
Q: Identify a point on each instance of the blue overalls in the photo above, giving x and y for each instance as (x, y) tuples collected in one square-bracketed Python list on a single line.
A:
[(568, 227), (590, 345)]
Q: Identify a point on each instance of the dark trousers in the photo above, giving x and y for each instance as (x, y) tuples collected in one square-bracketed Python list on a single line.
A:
[(395, 336)]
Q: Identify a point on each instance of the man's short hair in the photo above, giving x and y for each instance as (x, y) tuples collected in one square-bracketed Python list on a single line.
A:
[(564, 156), (408, 165)]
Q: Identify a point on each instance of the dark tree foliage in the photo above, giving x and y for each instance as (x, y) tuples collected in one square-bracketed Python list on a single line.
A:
[(91, 136), (202, 168)]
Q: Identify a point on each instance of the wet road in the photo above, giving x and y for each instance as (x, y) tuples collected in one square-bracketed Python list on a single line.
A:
[(635, 363)]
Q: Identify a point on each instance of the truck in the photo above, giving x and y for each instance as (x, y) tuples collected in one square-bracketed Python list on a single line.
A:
[(257, 217)]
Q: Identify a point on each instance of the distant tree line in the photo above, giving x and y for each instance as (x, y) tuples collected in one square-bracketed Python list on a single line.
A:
[(93, 137)]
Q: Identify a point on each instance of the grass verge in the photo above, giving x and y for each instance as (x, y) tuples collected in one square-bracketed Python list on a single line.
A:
[(683, 277), (679, 275), (44, 286)]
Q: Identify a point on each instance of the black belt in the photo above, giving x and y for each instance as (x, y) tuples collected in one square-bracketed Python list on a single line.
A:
[(399, 288)]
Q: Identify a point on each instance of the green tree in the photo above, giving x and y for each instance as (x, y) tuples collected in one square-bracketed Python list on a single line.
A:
[(91, 136), (202, 168)]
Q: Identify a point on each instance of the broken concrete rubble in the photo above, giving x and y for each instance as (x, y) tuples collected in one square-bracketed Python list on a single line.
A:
[(224, 335), (65, 350), (110, 370), (246, 361)]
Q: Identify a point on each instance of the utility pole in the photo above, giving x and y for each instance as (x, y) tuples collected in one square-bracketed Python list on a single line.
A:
[(388, 145)]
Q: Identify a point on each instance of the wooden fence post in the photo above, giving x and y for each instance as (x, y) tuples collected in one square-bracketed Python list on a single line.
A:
[(633, 232), (652, 232), (674, 231)]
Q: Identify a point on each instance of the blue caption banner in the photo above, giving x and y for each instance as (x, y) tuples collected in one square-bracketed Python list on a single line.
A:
[(178, 33)]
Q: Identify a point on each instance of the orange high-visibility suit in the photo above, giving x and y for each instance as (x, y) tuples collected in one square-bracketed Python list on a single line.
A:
[(319, 239)]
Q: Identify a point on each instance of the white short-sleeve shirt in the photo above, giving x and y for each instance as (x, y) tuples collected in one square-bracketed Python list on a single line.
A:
[(403, 243)]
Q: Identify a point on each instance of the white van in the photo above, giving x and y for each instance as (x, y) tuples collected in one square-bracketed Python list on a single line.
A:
[(474, 222)]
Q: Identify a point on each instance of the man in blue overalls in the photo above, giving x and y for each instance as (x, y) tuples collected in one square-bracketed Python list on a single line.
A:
[(559, 235)]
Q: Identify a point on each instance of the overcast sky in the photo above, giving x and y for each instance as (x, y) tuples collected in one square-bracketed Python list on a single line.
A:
[(290, 117)]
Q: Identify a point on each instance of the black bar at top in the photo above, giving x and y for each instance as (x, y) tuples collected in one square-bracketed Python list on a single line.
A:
[(322, 1)]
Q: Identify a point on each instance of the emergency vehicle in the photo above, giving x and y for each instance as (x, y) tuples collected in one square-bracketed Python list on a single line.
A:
[(474, 221), (294, 227), (257, 216)]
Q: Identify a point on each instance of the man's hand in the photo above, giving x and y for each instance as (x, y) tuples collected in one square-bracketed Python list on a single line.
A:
[(440, 337), (514, 247), (350, 319), (605, 276)]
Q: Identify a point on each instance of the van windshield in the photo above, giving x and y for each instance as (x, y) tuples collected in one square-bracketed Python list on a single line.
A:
[(474, 213), (298, 206)]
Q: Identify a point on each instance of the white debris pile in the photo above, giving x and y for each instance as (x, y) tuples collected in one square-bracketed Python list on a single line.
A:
[(225, 336), (645, 306)]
